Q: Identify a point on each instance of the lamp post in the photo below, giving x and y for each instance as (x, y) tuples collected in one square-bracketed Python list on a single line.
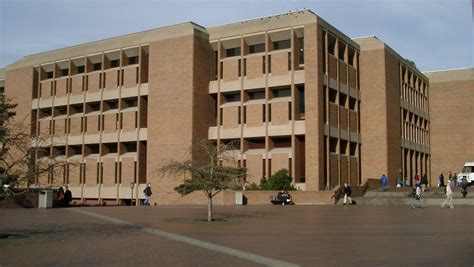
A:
[(132, 185)]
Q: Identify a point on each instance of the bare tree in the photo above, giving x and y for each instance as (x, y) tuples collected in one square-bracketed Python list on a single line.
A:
[(25, 158), (208, 171)]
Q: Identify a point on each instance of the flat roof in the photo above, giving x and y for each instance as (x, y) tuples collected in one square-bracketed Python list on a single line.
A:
[(113, 43), (451, 75), (272, 22), (372, 42)]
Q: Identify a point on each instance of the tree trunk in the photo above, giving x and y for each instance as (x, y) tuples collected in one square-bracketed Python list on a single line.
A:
[(209, 208)]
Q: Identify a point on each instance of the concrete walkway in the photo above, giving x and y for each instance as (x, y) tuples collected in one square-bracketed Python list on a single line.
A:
[(241, 236)]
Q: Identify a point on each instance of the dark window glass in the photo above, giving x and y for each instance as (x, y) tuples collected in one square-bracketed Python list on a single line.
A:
[(133, 60), (49, 75), (97, 66), (64, 72), (331, 44), (352, 103), (257, 95), (283, 44), (115, 63), (282, 92), (80, 69), (332, 95), (301, 101), (300, 50), (232, 97), (257, 48), (332, 145), (232, 52)]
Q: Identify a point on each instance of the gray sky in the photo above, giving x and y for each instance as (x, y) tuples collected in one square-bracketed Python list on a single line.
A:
[(436, 34)]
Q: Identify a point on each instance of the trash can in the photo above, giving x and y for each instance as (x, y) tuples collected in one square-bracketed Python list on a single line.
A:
[(239, 198), (45, 199)]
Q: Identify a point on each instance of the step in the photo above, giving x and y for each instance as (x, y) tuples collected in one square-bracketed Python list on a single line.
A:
[(389, 201)]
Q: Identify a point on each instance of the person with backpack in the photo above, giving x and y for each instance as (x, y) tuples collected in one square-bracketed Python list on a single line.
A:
[(449, 196), (148, 193), (418, 196)]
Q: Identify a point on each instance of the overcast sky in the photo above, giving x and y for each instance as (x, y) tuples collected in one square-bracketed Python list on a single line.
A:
[(436, 34)]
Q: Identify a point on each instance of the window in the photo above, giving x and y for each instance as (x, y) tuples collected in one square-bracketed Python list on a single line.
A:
[(95, 106), (301, 50), (332, 145), (232, 52), (115, 63), (130, 146), (258, 143), (352, 103), (256, 48), (112, 104), (342, 50), (97, 66), (301, 107), (281, 142), (49, 75), (283, 44), (331, 44), (239, 66), (263, 64), (351, 56), (342, 99), (64, 72), (232, 97), (332, 95), (285, 92), (257, 95), (80, 69), (343, 147), (133, 60), (133, 102)]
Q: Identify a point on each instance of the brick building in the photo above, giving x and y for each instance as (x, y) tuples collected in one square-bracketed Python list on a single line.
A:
[(394, 115), (286, 87), (452, 113)]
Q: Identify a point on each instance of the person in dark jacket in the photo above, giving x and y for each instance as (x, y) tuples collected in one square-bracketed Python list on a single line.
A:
[(464, 186), (424, 180), (148, 194), (67, 197), (441, 180), (347, 194)]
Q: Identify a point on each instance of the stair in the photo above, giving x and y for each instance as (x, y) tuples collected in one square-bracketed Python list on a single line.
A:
[(402, 196)]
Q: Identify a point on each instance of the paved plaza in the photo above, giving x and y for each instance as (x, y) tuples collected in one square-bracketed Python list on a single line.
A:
[(240, 236)]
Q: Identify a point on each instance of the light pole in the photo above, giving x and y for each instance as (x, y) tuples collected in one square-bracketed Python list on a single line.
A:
[(132, 185)]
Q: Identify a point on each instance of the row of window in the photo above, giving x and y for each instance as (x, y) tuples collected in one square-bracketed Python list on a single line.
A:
[(63, 126), (260, 47), (259, 94), (342, 147)]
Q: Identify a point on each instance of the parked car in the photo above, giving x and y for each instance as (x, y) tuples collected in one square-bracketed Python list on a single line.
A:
[(467, 172)]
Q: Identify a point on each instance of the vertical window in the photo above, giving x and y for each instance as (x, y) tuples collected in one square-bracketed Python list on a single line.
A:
[(263, 113), (245, 67), (269, 63), (239, 118), (239, 66), (289, 111), (301, 50), (245, 114), (289, 61), (222, 70), (263, 65)]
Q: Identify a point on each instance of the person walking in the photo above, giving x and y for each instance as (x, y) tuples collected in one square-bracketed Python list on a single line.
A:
[(441, 180), (148, 193), (384, 181), (424, 180), (449, 196), (455, 180), (418, 197), (347, 194), (464, 187), (417, 179)]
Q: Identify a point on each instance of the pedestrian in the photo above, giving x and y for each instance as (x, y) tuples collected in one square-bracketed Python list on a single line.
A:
[(424, 180), (418, 196), (67, 197), (449, 196), (399, 180), (384, 181), (450, 177), (441, 180), (148, 193), (60, 197), (417, 179), (464, 186), (455, 180), (347, 194)]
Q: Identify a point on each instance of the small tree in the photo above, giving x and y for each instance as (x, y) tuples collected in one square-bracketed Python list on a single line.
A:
[(206, 172), (278, 181)]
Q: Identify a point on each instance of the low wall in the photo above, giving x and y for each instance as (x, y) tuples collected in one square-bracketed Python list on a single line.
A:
[(227, 197)]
